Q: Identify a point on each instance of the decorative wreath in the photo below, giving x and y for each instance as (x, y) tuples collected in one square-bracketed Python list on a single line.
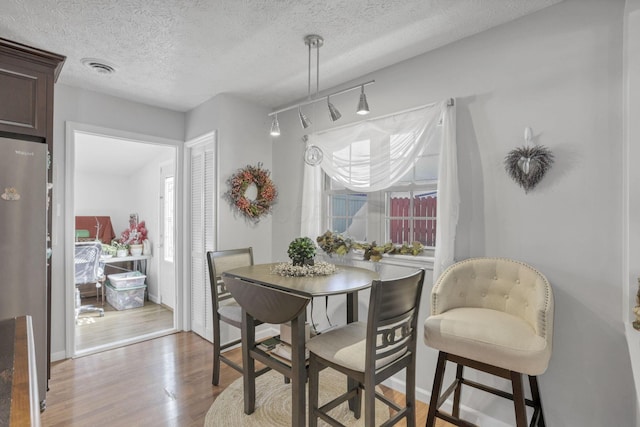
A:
[(266, 197)]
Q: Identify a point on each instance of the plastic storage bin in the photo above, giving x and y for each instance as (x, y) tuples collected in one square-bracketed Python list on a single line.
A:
[(125, 298), (129, 279)]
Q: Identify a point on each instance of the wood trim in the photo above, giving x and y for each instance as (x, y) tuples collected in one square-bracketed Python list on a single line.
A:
[(31, 54), (20, 395)]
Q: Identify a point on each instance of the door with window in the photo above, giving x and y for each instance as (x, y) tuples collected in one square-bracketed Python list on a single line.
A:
[(203, 189), (167, 235)]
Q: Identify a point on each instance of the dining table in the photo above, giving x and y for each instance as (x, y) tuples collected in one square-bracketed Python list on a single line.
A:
[(275, 299)]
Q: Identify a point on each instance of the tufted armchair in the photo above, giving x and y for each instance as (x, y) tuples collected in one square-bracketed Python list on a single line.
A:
[(493, 315)]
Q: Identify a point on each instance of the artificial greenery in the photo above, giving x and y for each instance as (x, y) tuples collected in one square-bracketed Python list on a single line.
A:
[(301, 251), (336, 243)]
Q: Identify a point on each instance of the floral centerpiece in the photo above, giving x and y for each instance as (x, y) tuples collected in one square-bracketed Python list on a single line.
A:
[(266, 192), (320, 268), (135, 234)]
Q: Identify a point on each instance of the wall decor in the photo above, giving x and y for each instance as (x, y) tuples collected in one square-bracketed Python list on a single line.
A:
[(266, 192), (528, 164)]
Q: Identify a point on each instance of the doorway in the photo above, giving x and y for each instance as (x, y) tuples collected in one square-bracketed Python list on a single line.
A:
[(115, 175)]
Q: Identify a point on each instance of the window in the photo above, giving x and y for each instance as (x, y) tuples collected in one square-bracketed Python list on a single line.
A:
[(407, 155), (168, 218), (404, 212)]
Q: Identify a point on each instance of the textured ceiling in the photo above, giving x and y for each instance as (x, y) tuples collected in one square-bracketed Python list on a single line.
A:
[(179, 53)]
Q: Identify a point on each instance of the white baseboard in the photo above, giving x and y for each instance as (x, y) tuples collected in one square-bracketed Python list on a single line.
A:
[(467, 413), (58, 355)]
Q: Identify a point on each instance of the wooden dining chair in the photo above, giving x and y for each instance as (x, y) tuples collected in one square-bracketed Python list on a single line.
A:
[(225, 308), (371, 352)]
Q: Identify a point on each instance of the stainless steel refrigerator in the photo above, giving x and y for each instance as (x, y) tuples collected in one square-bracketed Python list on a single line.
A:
[(23, 241)]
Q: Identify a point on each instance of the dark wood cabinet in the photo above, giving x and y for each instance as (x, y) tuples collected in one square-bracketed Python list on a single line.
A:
[(27, 76)]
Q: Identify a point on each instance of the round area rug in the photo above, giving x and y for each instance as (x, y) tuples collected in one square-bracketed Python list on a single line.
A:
[(273, 403)]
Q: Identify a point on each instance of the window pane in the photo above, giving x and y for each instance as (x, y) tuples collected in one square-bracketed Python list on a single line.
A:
[(168, 218), (412, 217), (348, 214)]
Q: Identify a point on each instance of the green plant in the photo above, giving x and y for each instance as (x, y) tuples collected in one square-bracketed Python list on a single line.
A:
[(119, 246), (301, 249)]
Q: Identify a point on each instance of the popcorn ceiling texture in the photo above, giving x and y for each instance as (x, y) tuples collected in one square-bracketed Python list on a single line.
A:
[(179, 53)]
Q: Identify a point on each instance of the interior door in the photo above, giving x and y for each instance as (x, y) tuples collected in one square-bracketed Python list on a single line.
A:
[(166, 253), (203, 188)]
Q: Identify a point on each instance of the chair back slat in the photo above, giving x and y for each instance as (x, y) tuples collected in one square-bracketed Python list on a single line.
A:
[(393, 310), (88, 267), (221, 261)]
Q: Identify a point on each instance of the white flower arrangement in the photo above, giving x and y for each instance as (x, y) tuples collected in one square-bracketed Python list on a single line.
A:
[(320, 268)]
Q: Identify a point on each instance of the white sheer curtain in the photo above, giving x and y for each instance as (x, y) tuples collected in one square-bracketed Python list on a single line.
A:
[(373, 155)]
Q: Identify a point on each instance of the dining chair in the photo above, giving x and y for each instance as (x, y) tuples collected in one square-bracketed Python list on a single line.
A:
[(371, 352), (225, 308), (494, 315)]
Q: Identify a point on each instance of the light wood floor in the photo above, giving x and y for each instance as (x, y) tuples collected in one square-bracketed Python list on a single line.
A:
[(161, 382), (93, 331)]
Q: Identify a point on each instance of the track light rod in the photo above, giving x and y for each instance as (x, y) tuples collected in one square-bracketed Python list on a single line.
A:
[(311, 101)]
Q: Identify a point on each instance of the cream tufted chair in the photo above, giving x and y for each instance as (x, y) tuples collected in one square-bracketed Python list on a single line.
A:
[(493, 315)]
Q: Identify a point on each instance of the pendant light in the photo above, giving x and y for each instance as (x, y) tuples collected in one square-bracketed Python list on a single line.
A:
[(363, 106), (275, 126), (334, 114)]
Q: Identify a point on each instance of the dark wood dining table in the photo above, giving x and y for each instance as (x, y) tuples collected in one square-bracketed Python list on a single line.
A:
[(274, 299)]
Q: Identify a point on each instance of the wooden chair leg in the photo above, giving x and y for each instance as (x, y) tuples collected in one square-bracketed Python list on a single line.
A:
[(535, 395), (457, 392), (215, 380), (518, 399), (436, 390), (313, 391), (410, 392)]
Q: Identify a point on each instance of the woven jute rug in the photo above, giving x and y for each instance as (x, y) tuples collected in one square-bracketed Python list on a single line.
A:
[(273, 403)]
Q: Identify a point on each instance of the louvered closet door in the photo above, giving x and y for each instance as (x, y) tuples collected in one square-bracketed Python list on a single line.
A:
[(202, 237)]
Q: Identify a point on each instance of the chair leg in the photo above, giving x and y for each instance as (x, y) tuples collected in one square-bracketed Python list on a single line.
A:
[(410, 392), (437, 388), (313, 391), (369, 400), (458, 391), (215, 380), (535, 394), (518, 399)]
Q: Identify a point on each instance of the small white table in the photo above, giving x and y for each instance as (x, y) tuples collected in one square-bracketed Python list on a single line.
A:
[(139, 262)]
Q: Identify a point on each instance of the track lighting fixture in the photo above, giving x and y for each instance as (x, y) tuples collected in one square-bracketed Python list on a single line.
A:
[(363, 106), (275, 126), (304, 121), (333, 111), (313, 41)]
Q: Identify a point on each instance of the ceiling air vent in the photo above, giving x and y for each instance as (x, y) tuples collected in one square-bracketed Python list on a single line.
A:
[(98, 66)]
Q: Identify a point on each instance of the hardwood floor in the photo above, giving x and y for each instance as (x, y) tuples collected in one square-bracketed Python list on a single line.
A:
[(93, 331), (161, 382)]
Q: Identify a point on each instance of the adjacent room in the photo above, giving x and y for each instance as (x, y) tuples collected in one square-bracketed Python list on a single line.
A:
[(231, 213)]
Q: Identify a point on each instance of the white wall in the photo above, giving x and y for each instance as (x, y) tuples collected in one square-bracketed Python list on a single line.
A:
[(92, 108), (558, 71), (97, 194), (631, 222)]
